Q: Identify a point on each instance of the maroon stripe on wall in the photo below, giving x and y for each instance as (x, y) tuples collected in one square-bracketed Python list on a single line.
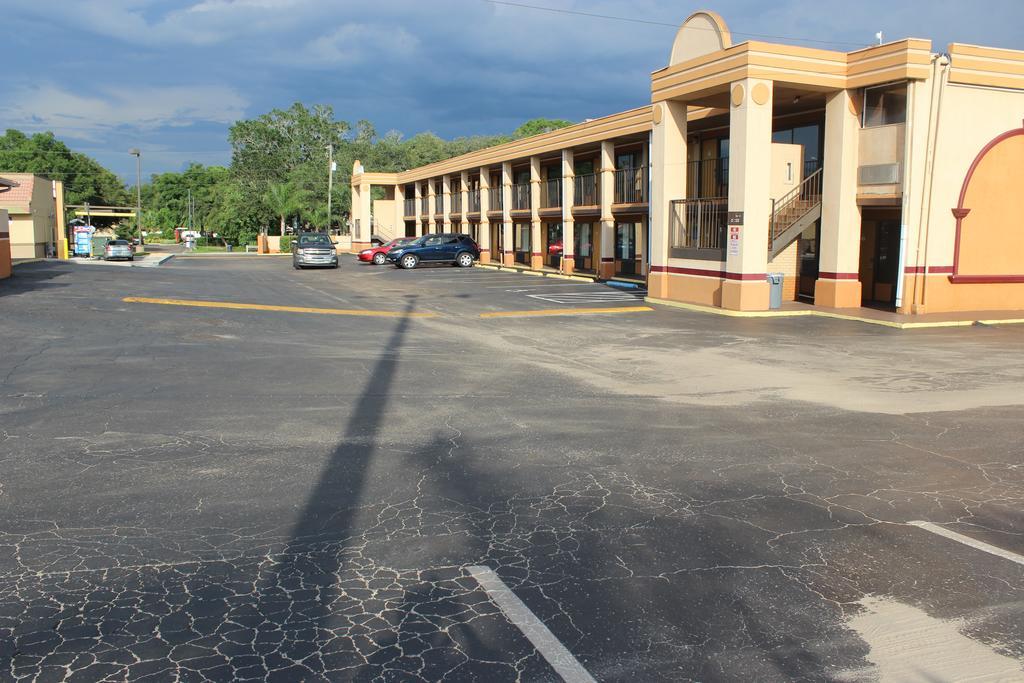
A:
[(911, 270), (825, 275), (676, 270), (605, 259)]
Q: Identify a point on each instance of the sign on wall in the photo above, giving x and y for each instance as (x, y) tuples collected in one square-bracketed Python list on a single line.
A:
[(734, 238)]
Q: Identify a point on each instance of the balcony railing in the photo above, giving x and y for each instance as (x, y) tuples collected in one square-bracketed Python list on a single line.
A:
[(551, 193), (631, 185), (521, 196), (410, 206), (456, 202), (423, 204), (699, 224), (707, 177), (474, 201), (496, 197), (586, 190)]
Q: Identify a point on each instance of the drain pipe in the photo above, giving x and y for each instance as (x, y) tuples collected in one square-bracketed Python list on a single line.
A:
[(943, 78), (908, 178), (940, 70), (650, 172)]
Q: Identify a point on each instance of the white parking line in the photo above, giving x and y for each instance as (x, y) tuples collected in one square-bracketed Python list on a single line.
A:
[(560, 659), (968, 541), (587, 297)]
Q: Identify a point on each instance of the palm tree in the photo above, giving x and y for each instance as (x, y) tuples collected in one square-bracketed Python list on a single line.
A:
[(284, 199)]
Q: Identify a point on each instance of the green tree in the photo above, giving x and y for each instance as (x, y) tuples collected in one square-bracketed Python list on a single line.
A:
[(538, 126), (285, 200), (85, 180)]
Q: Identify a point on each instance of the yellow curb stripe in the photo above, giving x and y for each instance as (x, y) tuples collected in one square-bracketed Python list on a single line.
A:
[(566, 311), (264, 307), (827, 314)]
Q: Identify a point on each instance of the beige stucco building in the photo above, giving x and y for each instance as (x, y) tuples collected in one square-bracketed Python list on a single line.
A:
[(887, 177), (32, 209)]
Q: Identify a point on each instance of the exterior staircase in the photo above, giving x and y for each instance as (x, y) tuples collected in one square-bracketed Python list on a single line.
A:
[(794, 212)]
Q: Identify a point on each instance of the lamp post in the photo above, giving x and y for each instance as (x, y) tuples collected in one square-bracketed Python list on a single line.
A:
[(330, 183), (135, 152)]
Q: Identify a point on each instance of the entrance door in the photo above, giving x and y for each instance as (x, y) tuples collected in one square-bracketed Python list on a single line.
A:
[(627, 249), (807, 248), (879, 258), (521, 239), (553, 244), (496, 245), (583, 248)]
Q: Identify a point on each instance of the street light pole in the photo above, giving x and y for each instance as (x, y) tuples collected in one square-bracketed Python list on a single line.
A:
[(135, 152), (330, 183)]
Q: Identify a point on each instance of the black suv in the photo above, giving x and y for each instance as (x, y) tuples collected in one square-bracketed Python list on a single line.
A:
[(446, 247)]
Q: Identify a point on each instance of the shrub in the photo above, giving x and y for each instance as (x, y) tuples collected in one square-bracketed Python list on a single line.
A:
[(286, 243)]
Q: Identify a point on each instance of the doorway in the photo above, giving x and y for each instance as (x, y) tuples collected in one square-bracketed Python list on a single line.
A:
[(879, 257), (521, 243), (553, 245), (583, 248), (808, 263), (629, 248), (497, 246)]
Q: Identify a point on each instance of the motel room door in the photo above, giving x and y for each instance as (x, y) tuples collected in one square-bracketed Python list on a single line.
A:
[(879, 258)]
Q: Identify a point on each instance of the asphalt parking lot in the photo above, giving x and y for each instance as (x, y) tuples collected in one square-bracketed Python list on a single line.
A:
[(476, 475)]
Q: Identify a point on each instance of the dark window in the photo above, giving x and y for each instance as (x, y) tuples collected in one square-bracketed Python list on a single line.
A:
[(885, 105)]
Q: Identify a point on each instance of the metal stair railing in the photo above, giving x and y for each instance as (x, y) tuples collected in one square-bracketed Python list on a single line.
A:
[(793, 206)]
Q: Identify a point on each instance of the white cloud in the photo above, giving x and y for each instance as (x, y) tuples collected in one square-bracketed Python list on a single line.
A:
[(88, 116), (353, 43)]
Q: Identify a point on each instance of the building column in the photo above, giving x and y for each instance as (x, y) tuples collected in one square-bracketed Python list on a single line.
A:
[(431, 205), (606, 268), (838, 283), (568, 223), (750, 168), (60, 228), (508, 256), (418, 188), (399, 210), (464, 201), (486, 253), (446, 203), (668, 183), (536, 255)]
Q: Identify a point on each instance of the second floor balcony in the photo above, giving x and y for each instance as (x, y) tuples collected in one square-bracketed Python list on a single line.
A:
[(474, 201), (586, 190), (409, 207), (496, 198), (456, 202), (551, 193), (521, 197), (631, 185), (424, 205)]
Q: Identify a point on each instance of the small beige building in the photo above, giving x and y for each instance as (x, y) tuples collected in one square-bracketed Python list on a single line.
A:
[(5, 235), (32, 214)]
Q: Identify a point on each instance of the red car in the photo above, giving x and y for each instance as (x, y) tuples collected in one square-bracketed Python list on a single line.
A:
[(379, 255)]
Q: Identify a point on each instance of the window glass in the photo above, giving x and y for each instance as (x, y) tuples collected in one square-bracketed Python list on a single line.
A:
[(585, 167), (452, 240), (432, 241), (885, 105)]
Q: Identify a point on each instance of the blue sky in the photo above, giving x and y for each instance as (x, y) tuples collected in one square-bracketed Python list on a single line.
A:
[(170, 77)]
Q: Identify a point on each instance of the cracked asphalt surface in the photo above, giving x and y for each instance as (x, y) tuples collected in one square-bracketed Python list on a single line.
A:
[(207, 494)]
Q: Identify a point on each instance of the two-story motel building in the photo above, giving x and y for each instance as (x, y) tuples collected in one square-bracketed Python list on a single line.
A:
[(889, 176)]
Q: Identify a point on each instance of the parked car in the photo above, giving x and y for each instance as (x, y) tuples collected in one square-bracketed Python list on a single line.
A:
[(378, 255), (447, 247), (314, 249), (118, 249)]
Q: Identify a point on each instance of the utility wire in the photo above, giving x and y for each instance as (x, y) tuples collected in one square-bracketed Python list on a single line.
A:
[(649, 22)]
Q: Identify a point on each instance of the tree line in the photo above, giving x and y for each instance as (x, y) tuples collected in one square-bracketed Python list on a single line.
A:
[(278, 172)]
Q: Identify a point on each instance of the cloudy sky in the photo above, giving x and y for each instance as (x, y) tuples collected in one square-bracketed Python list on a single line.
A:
[(169, 77)]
